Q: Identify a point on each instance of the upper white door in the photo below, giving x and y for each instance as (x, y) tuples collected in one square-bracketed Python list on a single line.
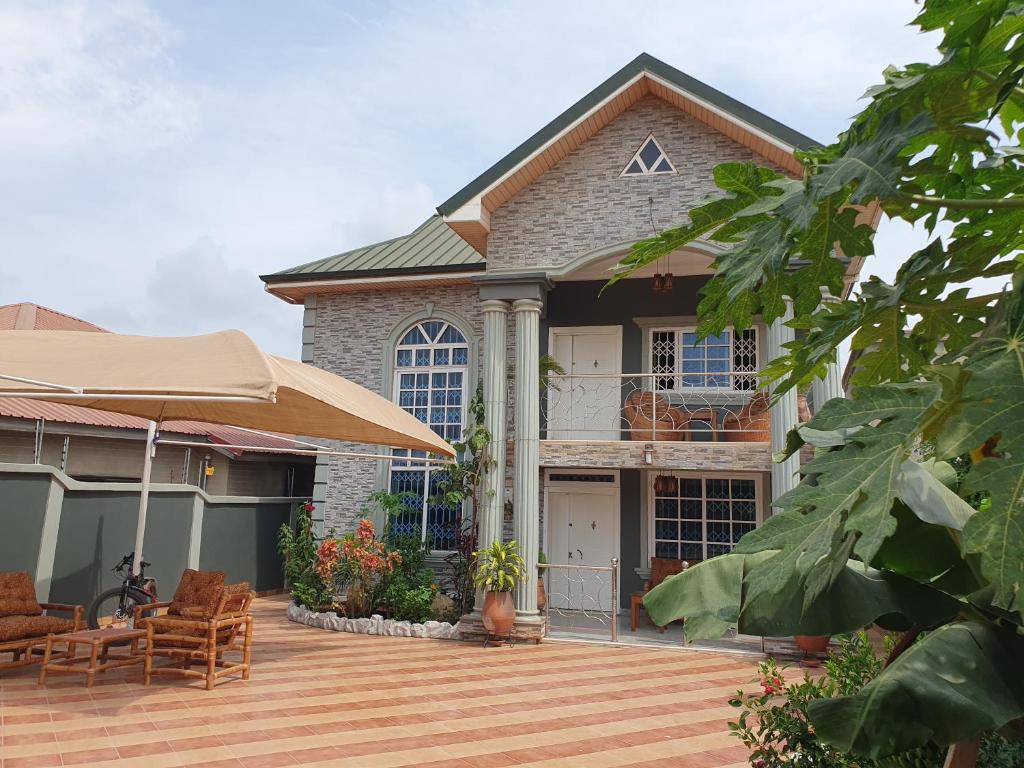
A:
[(586, 403), (583, 531)]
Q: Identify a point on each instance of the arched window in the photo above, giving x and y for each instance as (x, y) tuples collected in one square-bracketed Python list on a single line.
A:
[(431, 380)]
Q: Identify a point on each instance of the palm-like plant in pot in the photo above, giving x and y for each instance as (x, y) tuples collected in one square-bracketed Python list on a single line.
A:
[(496, 570)]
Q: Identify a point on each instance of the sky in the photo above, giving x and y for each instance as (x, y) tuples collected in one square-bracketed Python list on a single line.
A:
[(156, 157)]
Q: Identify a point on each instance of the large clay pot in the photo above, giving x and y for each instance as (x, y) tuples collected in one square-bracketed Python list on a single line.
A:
[(812, 643), (542, 595), (499, 613)]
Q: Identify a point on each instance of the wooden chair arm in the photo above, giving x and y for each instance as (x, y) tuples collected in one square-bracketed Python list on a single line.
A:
[(77, 612), (68, 607), (148, 608)]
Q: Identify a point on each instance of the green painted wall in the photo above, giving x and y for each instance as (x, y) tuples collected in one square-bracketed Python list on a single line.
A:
[(242, 541), (631, 509), (98, 527), (22, 508)]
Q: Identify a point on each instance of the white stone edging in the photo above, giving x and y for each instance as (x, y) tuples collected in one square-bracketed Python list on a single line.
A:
[(375, 625)]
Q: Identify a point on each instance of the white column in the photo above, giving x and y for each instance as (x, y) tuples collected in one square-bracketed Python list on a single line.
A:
[(784, 410), (492, 498), (526, 460), (823, 390)]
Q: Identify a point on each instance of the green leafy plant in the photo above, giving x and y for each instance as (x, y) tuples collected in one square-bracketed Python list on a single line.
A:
[(390, 505), (409, 591), (460, 485), (498, 568), (873, 532), (773, 722), (299, 549)]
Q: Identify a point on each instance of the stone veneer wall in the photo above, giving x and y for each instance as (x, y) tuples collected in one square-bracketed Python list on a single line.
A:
[(351, 339), (583, 203)]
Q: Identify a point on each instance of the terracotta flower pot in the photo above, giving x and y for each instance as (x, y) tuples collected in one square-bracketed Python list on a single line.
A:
[(812, 643), (499, 613), (542, 595)]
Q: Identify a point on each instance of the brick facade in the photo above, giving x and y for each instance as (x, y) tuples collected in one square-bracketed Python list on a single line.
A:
[(580, 205), (353, 338), (583, 203)]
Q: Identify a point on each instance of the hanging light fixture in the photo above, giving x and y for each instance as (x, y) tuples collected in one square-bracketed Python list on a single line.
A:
[(666, 279)]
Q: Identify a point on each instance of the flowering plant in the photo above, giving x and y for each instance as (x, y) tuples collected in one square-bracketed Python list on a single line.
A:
[(358, 562)]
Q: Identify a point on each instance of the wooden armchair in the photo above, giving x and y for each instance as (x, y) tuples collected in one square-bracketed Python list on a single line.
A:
[(661, 569), (23, 624), (203, 635)]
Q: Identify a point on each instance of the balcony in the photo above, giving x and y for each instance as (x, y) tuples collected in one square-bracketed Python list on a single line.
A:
[(712, 420)]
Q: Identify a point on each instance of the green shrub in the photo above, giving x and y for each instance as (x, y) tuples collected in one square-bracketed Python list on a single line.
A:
[(408, 592), (298, 548), (774, 724)]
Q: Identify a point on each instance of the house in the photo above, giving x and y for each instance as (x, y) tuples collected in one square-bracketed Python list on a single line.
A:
[(651, 444), (100, 446)]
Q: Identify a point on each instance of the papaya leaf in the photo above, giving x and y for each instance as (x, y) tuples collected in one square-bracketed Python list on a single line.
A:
[(709, 596), (959, 680)]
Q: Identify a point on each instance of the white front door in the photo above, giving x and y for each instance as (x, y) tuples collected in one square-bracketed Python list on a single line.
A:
[(586, 403), (582, 530)]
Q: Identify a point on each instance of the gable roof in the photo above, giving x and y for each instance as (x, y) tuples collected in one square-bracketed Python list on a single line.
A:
[(468, 210), (432, 248), (26, 316)]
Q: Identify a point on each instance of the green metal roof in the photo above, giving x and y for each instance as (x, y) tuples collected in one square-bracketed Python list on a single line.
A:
[(642, 63), (432, 247)]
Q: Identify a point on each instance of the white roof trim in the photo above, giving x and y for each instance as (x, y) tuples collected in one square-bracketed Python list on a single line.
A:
[(414, 277)]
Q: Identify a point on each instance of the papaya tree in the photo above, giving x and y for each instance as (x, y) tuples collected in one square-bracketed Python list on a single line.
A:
[(911, 514)]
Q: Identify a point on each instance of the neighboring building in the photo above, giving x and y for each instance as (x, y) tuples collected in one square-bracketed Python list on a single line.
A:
[(649, 446), (93, 445)]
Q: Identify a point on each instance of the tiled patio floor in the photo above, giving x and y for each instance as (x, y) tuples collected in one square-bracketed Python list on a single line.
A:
[(326, 698)]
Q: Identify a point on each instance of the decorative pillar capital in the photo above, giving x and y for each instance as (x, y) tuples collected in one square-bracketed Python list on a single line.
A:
[(527, 305), (494, 305)]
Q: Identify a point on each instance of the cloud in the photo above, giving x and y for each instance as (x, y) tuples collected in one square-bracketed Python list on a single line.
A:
[(86, 73)]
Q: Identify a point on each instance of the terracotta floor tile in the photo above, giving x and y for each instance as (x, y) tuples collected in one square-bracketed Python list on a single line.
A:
[(35, 761), (88, 756), (268, 761), (195, 742), (140, 750)]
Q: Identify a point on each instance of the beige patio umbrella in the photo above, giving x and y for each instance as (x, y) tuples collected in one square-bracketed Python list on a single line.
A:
[(222, 378)]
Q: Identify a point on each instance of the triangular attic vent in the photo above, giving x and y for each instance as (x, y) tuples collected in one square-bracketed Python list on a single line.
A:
[(649, 159)]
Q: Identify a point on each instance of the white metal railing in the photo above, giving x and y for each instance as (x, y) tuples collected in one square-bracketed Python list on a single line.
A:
[(705, 406), (582, 596)]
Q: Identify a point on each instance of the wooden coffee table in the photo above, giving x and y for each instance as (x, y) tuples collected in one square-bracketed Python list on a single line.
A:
[(99, 659)]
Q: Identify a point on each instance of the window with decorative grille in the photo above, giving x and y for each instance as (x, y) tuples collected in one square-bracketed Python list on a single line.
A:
[(431, 377), (724, 361), (696, 517)]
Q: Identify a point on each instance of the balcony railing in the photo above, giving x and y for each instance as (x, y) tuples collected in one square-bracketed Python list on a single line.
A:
[(721, 406)]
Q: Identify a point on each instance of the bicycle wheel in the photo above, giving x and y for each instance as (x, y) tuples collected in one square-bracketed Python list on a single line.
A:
[(116, 607)]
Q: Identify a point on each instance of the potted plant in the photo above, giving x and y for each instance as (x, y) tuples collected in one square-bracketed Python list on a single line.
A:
[(812, 644), (496, 570), (542, 595)]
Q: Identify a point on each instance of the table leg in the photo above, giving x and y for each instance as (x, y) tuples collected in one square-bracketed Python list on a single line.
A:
[(91, 671), (46, 659), (634, 613)]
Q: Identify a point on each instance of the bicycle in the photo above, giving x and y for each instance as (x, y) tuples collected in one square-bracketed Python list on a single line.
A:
[(116, 606)]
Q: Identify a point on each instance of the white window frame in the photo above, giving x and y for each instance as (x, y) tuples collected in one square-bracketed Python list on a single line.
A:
[(429, 370), (645, 171), (759, 503), (678, 374)]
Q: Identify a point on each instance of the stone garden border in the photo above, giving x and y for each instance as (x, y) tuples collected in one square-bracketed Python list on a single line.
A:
[(375, 625)]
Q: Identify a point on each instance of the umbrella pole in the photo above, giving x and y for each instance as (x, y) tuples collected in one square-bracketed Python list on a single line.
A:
[(147, 469)]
